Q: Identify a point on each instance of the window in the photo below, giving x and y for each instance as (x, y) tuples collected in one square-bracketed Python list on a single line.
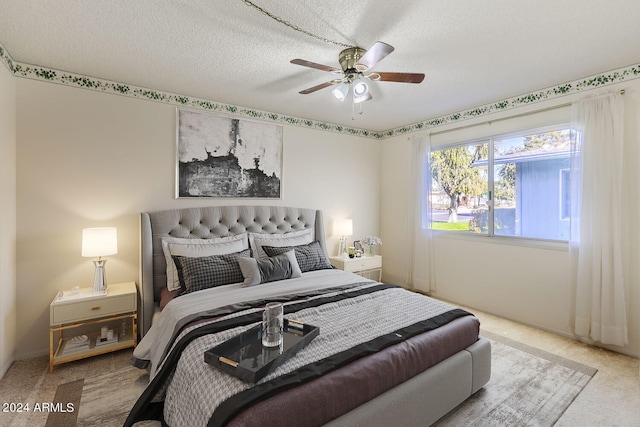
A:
[(513, 186), (565, 194)]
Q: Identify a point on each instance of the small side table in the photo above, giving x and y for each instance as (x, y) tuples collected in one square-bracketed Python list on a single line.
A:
[(363, 266), (83, 313)]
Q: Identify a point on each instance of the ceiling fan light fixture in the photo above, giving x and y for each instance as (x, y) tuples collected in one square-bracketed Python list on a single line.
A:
[(341, 91), (360, 87), (360, 90), (359, 99), (354, 62)]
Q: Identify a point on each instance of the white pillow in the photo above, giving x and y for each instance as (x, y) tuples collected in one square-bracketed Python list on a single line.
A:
[(295, 238), (194, 248)]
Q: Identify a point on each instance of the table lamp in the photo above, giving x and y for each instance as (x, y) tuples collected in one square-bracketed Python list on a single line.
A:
[(99, 242), (342, 228)]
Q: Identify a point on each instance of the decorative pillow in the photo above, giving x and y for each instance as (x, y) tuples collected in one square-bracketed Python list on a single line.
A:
[(269, 269), (310, 256), (166, 295), (295, 238), (197, 248), (206, 272)]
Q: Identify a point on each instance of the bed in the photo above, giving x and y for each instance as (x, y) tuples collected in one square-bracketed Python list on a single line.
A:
[(383, 354)]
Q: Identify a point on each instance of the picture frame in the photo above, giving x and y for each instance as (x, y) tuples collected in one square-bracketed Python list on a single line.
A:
[(221, 156), (358, 245)]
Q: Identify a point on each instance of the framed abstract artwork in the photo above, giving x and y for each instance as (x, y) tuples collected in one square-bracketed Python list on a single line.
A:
[(220, 156)]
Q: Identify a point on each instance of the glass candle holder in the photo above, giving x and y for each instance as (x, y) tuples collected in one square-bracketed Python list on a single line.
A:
[(272, 324)]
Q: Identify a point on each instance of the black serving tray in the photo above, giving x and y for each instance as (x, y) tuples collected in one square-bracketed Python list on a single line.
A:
[(245, 357)]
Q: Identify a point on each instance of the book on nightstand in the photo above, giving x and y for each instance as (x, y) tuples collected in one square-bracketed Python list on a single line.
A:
[(74, 344), (105, 341)]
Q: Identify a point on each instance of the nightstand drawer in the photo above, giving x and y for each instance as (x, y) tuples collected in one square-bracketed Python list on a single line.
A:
[(91, 309), (357, 264), (362, 263)]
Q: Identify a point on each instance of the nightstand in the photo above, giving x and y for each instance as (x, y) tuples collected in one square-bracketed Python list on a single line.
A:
[(77, 317), (363, 266)]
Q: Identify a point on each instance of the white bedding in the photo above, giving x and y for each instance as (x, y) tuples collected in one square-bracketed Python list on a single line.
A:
[(152, 346)]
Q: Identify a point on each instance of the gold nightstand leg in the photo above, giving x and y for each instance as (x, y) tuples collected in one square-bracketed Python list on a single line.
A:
[(134, 328)]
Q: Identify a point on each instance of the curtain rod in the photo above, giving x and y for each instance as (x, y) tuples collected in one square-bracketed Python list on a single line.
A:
[(508, 118)]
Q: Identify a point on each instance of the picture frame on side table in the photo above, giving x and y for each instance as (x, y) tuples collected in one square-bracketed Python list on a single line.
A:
[(359, 248)]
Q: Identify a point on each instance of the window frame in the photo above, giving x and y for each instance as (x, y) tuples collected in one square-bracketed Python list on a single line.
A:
[(490, 234)]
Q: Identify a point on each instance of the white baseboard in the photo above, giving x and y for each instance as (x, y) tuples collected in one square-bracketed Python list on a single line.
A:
[(4, 366)]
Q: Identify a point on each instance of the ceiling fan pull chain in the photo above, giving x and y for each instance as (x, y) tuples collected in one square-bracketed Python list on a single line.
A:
[(292, 26)]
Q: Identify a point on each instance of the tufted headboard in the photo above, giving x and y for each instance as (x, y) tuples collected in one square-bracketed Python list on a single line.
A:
[(203, 223)]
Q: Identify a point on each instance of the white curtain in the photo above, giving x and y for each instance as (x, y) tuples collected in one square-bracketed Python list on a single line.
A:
[(596, 243), (420, 270)]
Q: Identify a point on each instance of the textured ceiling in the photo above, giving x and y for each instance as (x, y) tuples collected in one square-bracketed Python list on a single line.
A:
[(472, 52)]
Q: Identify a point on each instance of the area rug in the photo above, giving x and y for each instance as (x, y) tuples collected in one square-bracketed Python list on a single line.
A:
[(104, 400), (528, 387)]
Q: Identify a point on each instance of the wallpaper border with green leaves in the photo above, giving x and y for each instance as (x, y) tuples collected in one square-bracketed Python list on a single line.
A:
[(76, 80)]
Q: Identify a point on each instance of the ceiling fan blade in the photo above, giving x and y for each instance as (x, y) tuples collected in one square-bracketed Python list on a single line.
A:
[(397, 77), (375, 54), (318, 87), (305, 63)]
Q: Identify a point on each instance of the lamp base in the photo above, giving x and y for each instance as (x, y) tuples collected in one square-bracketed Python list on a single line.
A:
[(342, 250), (100, 278)]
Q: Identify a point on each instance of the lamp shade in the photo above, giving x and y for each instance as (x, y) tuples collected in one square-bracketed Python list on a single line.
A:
[(360, 91), (360, 87), (340, 91), (100, 241), (343, 227)]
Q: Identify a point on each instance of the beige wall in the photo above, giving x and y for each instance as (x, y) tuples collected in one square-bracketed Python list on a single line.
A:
[(89, 159), (528, 284), (7, 218)]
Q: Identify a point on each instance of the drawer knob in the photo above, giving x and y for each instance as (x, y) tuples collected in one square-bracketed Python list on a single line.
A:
[(95, 308)]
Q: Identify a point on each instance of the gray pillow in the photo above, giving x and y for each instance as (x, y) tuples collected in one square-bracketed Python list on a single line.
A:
[(310, 256), (198, 273), (280, 267)]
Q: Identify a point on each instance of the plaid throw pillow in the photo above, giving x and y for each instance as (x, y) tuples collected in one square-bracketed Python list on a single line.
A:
[(200, 273), (310, 257)]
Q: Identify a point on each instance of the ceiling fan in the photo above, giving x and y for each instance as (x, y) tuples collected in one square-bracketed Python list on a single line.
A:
[(355, 62)]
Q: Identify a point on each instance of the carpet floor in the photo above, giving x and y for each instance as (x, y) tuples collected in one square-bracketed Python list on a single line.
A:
[(528, 387)]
